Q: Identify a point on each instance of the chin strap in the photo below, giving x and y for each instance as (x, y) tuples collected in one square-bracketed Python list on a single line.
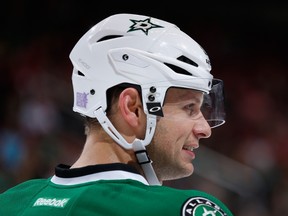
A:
[(138, 145), (145, 162)]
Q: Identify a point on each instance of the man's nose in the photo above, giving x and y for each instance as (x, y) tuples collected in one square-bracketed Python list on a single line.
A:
[(202, 129)]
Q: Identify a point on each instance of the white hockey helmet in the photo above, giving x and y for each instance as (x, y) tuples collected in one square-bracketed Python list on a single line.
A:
[(144, 51)]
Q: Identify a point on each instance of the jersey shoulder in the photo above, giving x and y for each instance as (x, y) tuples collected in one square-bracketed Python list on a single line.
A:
[(19, 196), (195, 202)]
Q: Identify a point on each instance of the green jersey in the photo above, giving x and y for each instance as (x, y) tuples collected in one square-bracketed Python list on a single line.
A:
[(110, 189)]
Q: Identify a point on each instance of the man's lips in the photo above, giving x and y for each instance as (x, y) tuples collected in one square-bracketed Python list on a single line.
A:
[(189, 150)]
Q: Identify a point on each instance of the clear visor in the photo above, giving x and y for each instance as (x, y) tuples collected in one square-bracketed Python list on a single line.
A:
[(213, 106), (183, 104)]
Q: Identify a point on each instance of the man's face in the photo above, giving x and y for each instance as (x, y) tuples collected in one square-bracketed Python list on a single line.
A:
[(177, 134)]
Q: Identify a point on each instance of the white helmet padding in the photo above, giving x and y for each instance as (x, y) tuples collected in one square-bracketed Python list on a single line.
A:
[(140, 50)]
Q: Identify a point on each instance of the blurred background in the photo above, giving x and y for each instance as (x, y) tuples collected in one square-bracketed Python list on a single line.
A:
[(244, 163)]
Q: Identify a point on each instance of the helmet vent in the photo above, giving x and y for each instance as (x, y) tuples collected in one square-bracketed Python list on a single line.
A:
[(80, 73), (109, 37), (178, 70), (187, 60)]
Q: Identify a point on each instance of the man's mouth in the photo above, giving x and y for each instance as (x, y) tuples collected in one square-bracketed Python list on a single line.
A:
[(189, 148)]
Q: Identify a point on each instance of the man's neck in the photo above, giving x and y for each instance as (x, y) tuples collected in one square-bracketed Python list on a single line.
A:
[(103, 151)]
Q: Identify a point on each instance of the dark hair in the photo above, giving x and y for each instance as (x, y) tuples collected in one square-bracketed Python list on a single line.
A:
[(112, 96)]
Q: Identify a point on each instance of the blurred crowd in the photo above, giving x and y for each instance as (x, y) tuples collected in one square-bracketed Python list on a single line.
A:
[(38, 128), (244, 163)]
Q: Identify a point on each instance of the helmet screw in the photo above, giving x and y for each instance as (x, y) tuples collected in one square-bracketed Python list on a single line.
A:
[(92, 91), (152, 89), (151, 97), (125, 57)]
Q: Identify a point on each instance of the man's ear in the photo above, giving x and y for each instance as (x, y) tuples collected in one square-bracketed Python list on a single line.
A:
[(130, 106)]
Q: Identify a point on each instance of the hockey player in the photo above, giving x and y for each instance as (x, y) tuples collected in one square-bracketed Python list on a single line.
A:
[(147, 95)]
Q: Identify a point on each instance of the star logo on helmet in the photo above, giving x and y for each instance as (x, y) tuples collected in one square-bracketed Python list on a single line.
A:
[(143, 25)]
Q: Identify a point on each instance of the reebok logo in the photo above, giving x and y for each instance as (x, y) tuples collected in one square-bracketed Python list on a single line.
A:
[(52, 202)]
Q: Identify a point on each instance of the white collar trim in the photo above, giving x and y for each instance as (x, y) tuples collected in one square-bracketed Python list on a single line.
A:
[(107, 175)]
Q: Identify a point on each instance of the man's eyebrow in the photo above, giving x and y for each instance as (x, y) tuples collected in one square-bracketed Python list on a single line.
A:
[(190, 95)]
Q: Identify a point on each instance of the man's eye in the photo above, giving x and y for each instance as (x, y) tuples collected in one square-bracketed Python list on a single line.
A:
[(190, 108)]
